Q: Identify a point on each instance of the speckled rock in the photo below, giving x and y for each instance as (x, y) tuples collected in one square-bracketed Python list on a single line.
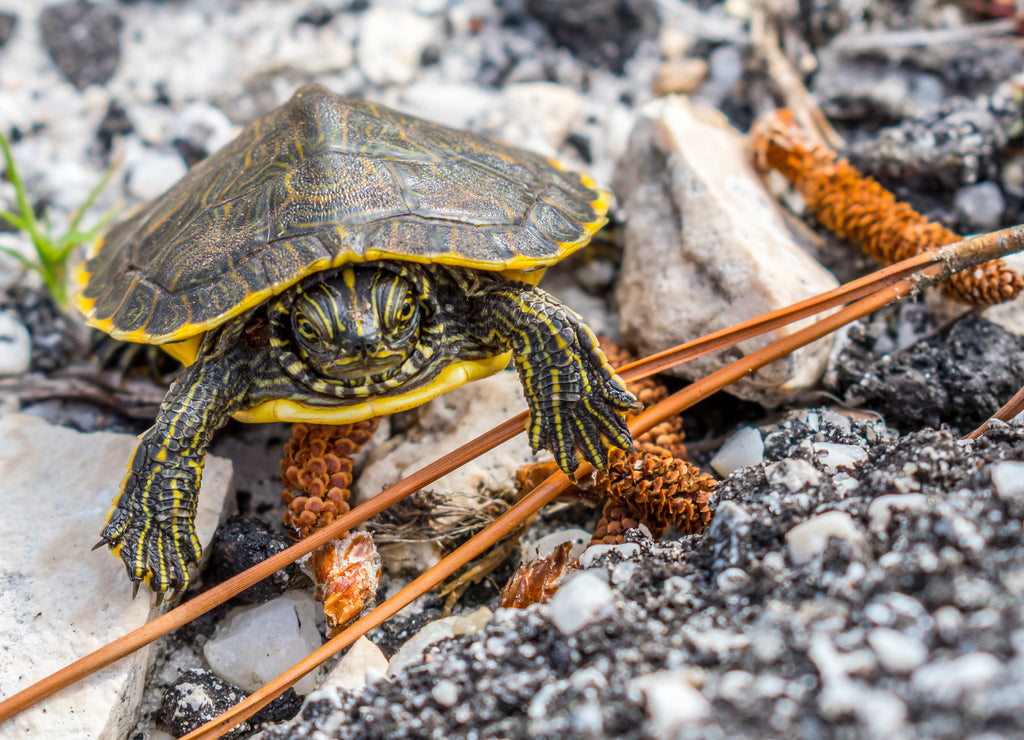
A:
[(61, 600)]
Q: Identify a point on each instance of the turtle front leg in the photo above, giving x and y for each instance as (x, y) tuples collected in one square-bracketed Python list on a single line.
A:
[(152, 524), (577, 402)]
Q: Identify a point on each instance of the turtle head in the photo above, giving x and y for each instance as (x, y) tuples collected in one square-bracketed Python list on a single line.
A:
[(362, 322)]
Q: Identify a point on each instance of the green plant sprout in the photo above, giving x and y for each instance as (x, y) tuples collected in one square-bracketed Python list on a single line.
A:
[(52, 252)]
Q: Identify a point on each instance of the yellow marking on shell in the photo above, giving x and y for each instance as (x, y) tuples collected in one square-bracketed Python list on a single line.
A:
[(454, 375)]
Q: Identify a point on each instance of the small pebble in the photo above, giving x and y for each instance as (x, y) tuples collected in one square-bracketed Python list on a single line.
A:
[(391, 43), (881, 509), (945, 681), (742, 449), (808, 540), (583, 599), (672, 703), (445, 693), (154, 172), (1008, 478), (15, 345), (834, 456), (981, 205), (240, 651), (897, 652)]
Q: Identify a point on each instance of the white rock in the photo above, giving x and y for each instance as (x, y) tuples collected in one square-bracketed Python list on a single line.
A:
[(672, 703), (363, 662), (582, 599), (897, 652), (592, 553), (15, 345), (880, 510), (706, 248), (809, 539), (257, 643), (834, 456), (742, 449), (445, 693), (945, 681), (412, 650), (61, 601), (538, 115), (1008, 478), (153, 172), (792, 474), (391, 43)]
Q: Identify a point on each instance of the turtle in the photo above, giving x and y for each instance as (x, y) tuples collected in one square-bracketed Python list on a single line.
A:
[(336, 261)]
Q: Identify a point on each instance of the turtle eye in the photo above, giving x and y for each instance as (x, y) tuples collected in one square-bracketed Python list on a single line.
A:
[(305, 328), (407, 309)]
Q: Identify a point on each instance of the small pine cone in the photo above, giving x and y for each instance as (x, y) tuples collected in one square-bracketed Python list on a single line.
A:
[(858, 208), (655, 490), (536, 582), (317, 470)]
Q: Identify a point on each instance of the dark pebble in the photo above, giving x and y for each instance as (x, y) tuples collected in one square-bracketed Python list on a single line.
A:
[(83, 40), (197, 697), (7, 23), (115, 123), (243, 542), (958, 377), (604, 33)]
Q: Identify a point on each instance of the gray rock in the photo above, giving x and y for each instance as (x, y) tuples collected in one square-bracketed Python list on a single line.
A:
[(604, 33), (83, 40), (59, 600), (705, 249), (7, 23)]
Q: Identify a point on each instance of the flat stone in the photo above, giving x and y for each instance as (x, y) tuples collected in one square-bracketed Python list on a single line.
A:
[(706, 248), (59, 601)]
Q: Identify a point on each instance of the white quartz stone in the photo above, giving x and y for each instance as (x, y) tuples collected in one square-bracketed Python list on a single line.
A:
[(809, 539), (1008, 478), (60, 600), (897, 652), (742, 449), (834, 456), (584, 598), (672, 702), (880, 510), (257, 643)]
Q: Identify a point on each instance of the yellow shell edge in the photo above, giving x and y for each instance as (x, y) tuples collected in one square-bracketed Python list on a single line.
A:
[(451, 377)]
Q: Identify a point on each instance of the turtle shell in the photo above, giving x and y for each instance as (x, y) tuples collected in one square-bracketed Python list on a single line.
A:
[(317, 183)]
